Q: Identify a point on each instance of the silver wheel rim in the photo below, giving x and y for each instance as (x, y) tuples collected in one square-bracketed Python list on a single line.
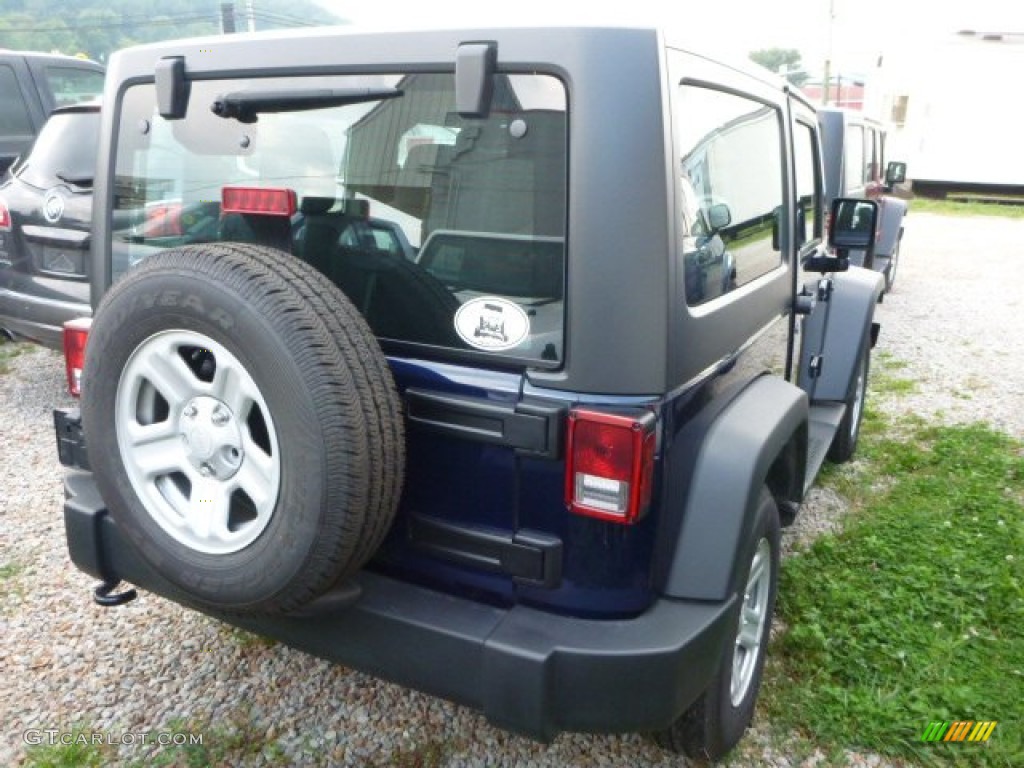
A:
[(753, 618), (858, 396), (197, 442)]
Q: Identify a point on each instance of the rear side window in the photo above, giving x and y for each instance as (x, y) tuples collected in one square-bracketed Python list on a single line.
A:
[(732, 190), (443, 231), (808, 183), (854, 158), (64, 151), (73, 85), (14, 119)]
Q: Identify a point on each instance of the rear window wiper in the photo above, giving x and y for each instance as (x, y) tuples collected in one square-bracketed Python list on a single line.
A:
[(245, 106), (75, 181)]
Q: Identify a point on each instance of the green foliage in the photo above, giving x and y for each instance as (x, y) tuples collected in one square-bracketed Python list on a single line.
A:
[(96, 28), (786, 58), (915, 612)]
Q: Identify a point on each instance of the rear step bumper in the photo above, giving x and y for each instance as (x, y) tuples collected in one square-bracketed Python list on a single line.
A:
[(527, 670)]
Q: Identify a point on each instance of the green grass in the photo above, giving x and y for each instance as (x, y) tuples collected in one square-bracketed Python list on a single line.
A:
[(8, 351), (237, 741), (8, 573), (79, 752), (915, 612), (959, 208)]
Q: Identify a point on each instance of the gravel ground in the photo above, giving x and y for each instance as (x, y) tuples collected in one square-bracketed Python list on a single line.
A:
[(141, 668)]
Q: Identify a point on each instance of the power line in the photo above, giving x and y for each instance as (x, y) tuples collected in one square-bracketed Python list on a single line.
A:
[(286, 19), (150, 22), (291, 23)]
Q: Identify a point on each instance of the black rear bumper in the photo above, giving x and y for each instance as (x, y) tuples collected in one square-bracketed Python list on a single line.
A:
[(527, 670)]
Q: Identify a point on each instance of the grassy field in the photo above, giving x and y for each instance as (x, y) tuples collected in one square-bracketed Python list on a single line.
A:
[(915, 612), (960, 208)]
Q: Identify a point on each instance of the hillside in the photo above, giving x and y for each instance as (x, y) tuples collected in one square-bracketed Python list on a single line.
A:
[(95, 28)]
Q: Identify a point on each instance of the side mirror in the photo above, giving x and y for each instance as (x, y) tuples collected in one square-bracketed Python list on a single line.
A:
[(853, 224), (852, 227), (895, 173), (719, 217)]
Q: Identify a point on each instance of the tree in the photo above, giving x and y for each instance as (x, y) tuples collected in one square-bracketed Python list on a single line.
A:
[(785, 61)]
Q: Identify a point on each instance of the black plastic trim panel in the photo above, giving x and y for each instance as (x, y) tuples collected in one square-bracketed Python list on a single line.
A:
[(530, 557), (531, 428), (70, 438), (527, 670)]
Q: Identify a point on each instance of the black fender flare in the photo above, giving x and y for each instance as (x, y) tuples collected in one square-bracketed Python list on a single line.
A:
[(840, 333), (734, 462)]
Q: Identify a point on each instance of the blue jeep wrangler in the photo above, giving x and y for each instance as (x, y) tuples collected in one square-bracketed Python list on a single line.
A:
[(534, 459)]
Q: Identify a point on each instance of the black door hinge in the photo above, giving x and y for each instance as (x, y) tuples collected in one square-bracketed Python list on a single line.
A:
[(824, 289), (814, 367)]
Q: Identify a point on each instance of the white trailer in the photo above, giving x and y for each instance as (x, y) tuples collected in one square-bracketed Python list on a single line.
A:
[(957, 117)]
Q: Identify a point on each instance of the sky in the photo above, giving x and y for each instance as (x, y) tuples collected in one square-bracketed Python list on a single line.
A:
[(861, 30)]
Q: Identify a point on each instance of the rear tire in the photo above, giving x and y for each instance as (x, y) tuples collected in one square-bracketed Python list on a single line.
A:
[(894, 260), (243, 426), (844, 444), (715, 723)]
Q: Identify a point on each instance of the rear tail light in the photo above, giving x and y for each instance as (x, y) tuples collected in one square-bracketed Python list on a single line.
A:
[(76, 332), (258, 200), (5, 217), (163, 220), (610, 465)]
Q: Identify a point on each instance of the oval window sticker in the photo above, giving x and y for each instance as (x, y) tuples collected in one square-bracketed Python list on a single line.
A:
[(492, 324)]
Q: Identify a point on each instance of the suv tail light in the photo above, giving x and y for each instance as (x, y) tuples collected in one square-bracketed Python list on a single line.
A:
[(76, 332), (609, 465), (258, 200), (5, 216)]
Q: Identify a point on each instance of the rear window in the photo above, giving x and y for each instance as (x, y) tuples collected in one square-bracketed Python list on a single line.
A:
[(64, 151), (444, 231), (73, 85)]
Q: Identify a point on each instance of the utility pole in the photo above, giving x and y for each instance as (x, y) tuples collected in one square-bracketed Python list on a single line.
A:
[(251, 15), (828, 58), (227, 18)]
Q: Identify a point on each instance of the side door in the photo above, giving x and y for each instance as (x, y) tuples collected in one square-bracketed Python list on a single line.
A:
[(809, 196), (874, 186)]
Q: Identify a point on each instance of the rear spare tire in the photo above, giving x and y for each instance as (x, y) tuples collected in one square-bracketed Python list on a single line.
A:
[(243, 426)]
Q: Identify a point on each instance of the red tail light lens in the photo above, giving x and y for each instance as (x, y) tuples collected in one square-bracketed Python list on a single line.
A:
[(163, 220), (76, 332), (258, 200), (609, 465), (5, 217)]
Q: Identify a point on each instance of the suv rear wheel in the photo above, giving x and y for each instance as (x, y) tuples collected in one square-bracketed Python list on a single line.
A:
[(243, 425), (715, 723)]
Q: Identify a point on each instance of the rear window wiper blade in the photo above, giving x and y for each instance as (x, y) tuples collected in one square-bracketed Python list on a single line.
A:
[(75, 181), (245, 106)]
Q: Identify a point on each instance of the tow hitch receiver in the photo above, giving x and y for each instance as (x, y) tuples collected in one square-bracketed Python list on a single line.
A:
[(104, 594)]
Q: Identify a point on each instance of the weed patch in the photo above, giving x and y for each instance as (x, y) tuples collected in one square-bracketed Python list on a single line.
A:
[(8, 351), (75, 748)]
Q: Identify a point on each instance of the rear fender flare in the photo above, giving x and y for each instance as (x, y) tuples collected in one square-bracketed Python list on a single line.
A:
[(764, 423)]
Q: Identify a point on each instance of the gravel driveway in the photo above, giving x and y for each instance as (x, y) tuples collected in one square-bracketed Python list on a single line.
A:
[(145, 668)]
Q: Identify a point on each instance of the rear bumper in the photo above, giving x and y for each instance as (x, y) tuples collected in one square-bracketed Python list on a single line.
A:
[(527, 670), (37, 319)]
